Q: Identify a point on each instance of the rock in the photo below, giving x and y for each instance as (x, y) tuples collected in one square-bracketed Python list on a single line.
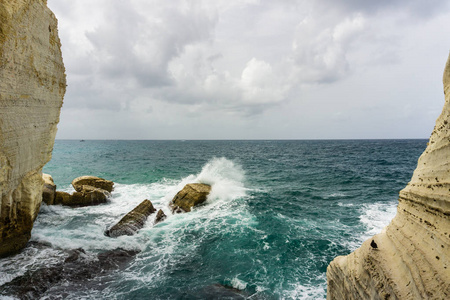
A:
[(160, 216), (97, 182), (62, 198), (132, 221), (49, 189), (412, 260), (60, 280), (191, 195), (88, 195), (32, 87), (219, 291)]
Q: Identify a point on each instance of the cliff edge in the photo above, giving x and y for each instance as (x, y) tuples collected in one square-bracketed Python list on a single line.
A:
[(32, 87), (409, 259)]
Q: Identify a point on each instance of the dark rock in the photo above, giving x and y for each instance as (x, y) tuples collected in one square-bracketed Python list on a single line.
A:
[(132, 221), (160, 216), (93, 181), (77, 270), (218, 291), (62, 198), (191, 195)]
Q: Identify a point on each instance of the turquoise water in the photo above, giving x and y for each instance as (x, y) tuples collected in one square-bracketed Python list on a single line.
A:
[(278, 213)]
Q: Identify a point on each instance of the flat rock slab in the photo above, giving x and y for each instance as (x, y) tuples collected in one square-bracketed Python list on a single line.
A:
[(93, 181), (132, 221), (191, 195)]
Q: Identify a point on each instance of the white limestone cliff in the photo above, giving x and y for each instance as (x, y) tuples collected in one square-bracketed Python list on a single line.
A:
[(409, 259), (32, 87)]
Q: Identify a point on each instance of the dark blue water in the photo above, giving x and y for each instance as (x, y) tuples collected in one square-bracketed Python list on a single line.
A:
[(279, 212)]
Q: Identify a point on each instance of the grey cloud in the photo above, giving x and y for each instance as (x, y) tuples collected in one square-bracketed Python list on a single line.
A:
[(133, 45), (416, 8)]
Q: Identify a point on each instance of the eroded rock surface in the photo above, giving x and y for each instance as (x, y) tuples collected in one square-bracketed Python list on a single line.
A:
[(32, 86), (49, 189), (409, 259), (191, 195), (96, 182), (79, 269), (133, 221)]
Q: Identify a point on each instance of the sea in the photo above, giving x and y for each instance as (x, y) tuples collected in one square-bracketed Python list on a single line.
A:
[(279, 212)]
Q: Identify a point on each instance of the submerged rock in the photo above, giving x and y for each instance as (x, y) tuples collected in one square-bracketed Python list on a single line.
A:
[(219, 291), (160, 216), (132, 221), (191, 195), (78, 269), (93, 181), (49, 189)]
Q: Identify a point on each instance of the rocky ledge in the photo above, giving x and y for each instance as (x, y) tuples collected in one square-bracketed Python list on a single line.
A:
[(409, 259)]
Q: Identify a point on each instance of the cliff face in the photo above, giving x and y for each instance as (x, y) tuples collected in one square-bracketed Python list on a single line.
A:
[(32, 86), (410, 258)]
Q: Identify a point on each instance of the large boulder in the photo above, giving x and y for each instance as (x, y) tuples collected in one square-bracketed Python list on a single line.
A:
[(132, 221), (49, 189), (97, 182), (88, 195), (191, 195)]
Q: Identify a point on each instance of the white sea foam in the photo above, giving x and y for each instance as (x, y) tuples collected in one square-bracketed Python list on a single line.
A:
[(376, 216), (238, 283), (306, 292)]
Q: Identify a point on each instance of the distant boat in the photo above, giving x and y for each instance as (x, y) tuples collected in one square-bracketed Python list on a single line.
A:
[(81, 140)]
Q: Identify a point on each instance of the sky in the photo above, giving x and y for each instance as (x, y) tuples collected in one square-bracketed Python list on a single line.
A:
[(249, 69)]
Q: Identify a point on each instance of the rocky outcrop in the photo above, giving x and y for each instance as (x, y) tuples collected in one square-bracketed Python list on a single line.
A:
[(88, 191), (32, 86), (132, 221), (78, 269), (88, 195), (96, 182), (191, 195), (160, 216), (49, 189), (409, 259)]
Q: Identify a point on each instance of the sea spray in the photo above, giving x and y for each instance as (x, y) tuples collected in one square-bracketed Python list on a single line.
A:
[(278, 213)]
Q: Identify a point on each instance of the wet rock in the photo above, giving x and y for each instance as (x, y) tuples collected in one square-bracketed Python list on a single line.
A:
[(191, 195), (61, 198), (49, 189), (132, 221), (218, 291), (88, 195), (160, 216), (93, 181), (77, 270)]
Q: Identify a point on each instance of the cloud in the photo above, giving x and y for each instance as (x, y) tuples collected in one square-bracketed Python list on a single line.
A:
[(238, 59)]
